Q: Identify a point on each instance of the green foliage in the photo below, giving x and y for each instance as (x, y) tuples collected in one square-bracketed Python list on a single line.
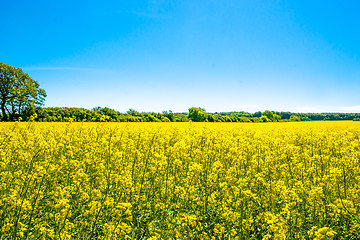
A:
[(264, 118), (295, 118), (20, 95), (169, 115), (269, 116), (98, 114), (210, 118), (282, 116), (133, 112), (111, 115), (197, 114), (257, 114), (277, 118)]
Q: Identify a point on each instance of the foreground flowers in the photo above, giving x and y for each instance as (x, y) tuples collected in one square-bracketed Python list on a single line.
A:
[(180, 180)]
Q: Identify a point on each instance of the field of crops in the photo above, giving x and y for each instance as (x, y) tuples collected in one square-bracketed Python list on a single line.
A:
[(180, 180)]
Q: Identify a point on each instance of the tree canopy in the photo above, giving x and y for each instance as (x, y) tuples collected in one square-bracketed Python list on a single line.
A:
[(66, 114), (197, 114), (19, 93), (269, 116)]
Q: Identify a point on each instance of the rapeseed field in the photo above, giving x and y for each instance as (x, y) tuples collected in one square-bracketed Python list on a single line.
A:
[(180, 180)]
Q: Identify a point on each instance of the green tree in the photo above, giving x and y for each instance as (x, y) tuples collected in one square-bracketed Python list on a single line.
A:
[(169, 115), (271, 116), (210, 118), (264, 118), (257, 114), (19, 93), (133, 112), (197, 114), (268, 114), (295, 118), (277, 118)]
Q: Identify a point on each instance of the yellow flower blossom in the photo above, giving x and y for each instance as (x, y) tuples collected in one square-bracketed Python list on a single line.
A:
[(179, 180)]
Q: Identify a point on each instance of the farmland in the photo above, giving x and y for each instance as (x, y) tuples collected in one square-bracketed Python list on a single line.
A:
[(180, 180)]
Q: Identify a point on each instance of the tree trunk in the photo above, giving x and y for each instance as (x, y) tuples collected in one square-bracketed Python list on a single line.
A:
[(4, 116), (19, 108), (13, 112)]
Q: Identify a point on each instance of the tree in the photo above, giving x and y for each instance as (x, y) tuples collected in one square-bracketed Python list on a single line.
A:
[(295, 118), (268, 114), (133, 112), (271, 116), (197, 114), (19, 93), (264, 118), (277, 118), (169, 115), (257, 114), (210, 118)]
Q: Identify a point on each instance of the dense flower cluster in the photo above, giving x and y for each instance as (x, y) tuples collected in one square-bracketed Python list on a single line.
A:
[(180, 180)]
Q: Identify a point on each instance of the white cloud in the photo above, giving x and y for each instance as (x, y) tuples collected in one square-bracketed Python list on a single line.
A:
[(323, 109), (317, 109), (351, 108), (249, 107), (245, 106), (312, 109)]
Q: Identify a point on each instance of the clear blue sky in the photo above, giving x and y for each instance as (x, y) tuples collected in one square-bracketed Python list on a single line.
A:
[(251, 55)]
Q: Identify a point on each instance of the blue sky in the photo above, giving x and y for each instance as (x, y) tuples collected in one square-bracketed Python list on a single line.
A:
[(251, 55)]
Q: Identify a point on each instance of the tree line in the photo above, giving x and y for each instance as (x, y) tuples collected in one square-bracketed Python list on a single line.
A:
[(99, 114), (21, 98)]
